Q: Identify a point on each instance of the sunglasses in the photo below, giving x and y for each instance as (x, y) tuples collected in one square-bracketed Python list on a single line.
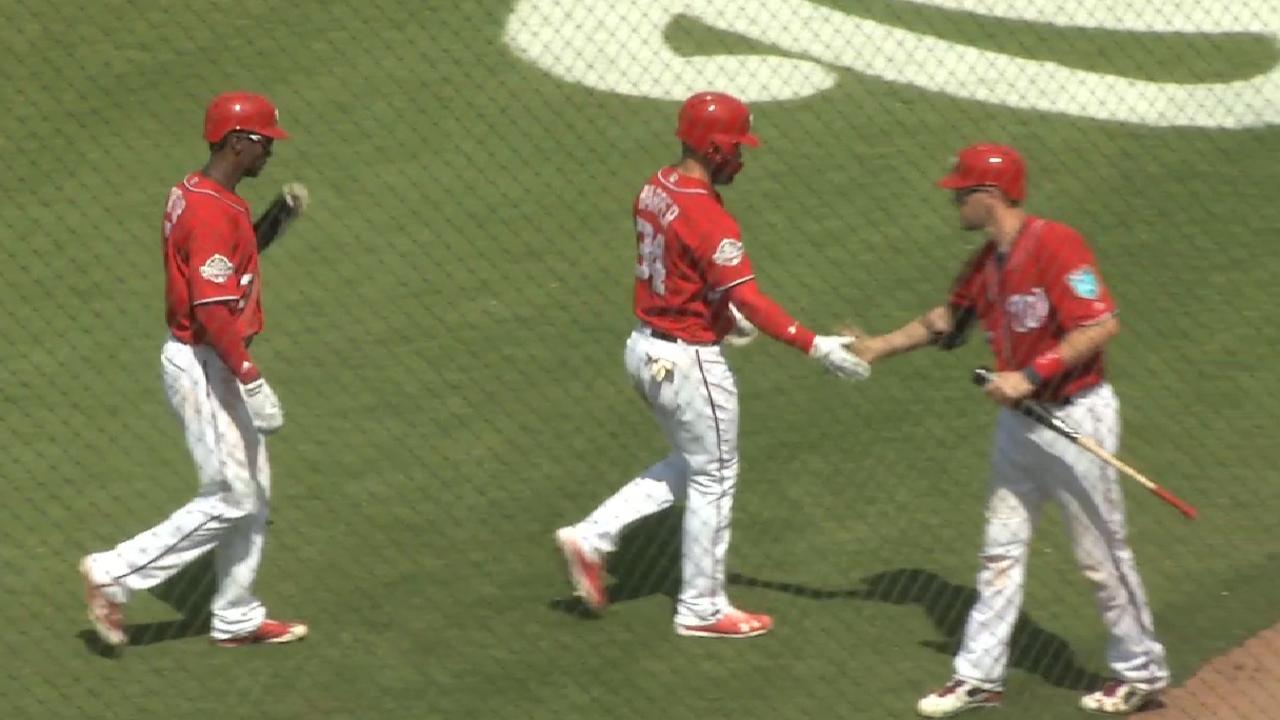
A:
[(262, 140), (959, 196)]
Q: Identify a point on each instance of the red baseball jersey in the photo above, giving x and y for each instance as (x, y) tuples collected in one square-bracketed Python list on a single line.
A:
[(688, 253), (1028, 299), (210, 255)]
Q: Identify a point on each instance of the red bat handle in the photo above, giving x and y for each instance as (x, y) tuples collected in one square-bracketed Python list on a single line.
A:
[(983, 375), (1181, 505)]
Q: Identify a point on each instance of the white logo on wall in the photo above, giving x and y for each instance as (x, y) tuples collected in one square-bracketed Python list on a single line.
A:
[(621, 47)]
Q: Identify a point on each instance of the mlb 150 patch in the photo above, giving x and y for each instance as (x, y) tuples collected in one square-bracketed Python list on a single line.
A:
[(729, 252), (217, 269), (1084, 283)]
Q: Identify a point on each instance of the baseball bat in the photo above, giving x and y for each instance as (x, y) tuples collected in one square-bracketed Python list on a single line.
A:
[(1042, 415)]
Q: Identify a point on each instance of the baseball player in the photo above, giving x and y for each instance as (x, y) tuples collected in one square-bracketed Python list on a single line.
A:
[(691, 270), (1035, 287), (213, 306)]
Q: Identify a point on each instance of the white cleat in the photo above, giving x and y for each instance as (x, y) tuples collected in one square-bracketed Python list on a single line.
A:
[(955, 697), (585, 570), (1118, 698), (106, 616)]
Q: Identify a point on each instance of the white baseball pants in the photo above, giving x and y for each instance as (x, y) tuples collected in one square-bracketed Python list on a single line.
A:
[(695, 401), (228, 514), (1031, 464)]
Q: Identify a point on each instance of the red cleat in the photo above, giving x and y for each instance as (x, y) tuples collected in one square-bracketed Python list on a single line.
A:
[(734, 624), (107, 617), (270, 632), (586, 570)]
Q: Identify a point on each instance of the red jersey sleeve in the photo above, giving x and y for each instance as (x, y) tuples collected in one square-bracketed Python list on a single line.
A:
[(967, 289), (210, 249), (1070, 275), (721, 255), (767, 315)]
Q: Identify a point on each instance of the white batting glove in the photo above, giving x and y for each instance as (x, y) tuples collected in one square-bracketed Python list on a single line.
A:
[(297, 195), (832, 351), (264, 406), (743, 332)]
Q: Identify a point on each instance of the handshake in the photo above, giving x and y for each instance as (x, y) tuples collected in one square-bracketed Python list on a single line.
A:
[(833, 351), (849, 353), (835, 354)]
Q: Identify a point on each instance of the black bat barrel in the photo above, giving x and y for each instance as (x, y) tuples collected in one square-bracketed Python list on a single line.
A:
[(982, 376)]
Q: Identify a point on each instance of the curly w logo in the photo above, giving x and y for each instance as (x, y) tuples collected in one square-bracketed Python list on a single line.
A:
[(619, 46)]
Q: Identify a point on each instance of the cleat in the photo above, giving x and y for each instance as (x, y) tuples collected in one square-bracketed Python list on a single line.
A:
[(107, 616), (955, 697), (585, 569), (270, 632), (1117, 698), (734, 624)]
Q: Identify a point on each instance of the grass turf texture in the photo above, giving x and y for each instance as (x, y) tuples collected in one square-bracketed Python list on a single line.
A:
[(445, 331)]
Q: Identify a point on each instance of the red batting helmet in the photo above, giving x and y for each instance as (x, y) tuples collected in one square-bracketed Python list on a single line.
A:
[(242, 111), (998, 166), (714, 120), (713, 124)]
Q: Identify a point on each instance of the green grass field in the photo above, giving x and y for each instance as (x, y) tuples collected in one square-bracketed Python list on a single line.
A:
[(445, 329)]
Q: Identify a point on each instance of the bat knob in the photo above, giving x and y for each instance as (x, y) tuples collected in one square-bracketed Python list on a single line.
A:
[(982, 376)]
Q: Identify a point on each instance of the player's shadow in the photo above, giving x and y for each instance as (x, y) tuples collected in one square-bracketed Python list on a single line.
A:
[(647, 562), (188, 592), (1033, 648)]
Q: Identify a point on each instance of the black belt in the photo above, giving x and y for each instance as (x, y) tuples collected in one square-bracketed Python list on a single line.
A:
[(668, 337)]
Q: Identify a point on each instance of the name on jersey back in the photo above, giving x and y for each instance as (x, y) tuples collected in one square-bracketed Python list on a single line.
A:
[(653, 199)]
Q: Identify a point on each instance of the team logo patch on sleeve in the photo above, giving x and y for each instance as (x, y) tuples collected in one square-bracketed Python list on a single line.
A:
[(1084, 283), (728, 252), (217, 269)]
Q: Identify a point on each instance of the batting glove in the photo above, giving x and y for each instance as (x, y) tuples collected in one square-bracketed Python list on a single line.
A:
[(743, 332), (832, 351), (297, 195), (264, 406)]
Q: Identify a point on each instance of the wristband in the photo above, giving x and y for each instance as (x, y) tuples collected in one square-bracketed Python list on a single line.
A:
[(1047, 365)]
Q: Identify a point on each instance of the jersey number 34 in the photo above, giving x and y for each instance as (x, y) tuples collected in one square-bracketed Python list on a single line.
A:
[(649, 263)]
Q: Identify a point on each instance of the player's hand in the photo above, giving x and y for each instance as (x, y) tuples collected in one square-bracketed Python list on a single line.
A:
[(280, 214), (1007, 388), (866, 346), (297, 195), (832, 351), (264, 406), (870, 349), (744, 331)]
